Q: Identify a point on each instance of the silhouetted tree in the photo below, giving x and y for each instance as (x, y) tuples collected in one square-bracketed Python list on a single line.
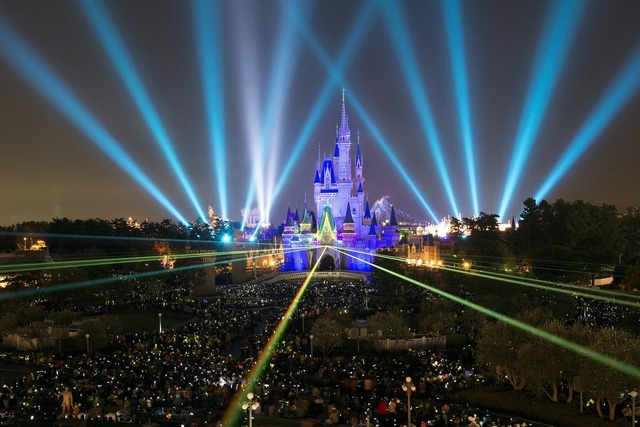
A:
[(327, 333)]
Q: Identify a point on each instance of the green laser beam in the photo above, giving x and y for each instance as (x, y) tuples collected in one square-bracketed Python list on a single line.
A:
[(231, 416), (107, 280), (556, 287), (623, 367), (37, 266)]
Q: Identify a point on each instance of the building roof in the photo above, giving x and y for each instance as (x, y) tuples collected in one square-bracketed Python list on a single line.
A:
[(392, 218), (348, 219), (372, 228), (367, 211), (290, 218), (328, 168)]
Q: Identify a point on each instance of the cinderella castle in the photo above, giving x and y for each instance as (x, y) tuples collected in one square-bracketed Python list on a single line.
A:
[(342, 220)]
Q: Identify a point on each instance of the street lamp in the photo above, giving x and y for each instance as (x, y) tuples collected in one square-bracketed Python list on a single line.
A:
[(408, 387), (633, 395), (160, 322), (302, 316), (311, 338), (87, 343), (250, 404)]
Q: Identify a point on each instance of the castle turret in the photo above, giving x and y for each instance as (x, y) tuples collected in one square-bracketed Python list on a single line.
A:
[(317, 180), (359, 178), (366, 218), (349, 224), (391, 233)]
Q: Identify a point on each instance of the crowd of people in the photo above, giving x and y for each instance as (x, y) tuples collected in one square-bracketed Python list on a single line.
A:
[(193, 372)]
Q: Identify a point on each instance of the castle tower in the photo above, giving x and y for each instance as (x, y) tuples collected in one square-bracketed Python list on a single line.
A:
[(343, 145), (391, 233), (334, 184)]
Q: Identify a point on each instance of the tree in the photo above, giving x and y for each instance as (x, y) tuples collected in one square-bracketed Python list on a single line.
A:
[(484, 242), (327, 333), (602, 378), (64, 317), (98, 330), (548, 363), (500, 348), (388, 284), (630, 225), (438, 316), (576, 232), (631, 281), (8, 324), (388, 326)]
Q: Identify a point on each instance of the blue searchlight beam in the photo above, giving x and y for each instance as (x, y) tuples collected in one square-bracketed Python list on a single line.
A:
[(558, 33), (358, 30), (280, 79), (455, 36), (27, 63), (336, 76), (98, 15), (208, 28), (623, 88), (397, 27)]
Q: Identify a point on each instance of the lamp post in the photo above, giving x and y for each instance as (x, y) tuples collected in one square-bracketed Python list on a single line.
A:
[(250, 404), (160, 322), (302, 316), (87, 343), (408, 387), (633, 395), (311, 338)]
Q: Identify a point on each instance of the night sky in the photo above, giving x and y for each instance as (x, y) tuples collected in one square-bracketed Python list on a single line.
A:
[(50, 168)]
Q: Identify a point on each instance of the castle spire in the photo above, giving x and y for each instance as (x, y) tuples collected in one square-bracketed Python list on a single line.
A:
[(344, 120), (392, 220), (348, 219), (358, 155)]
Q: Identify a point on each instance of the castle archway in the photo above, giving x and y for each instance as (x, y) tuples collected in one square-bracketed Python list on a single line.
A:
[(327, 263)]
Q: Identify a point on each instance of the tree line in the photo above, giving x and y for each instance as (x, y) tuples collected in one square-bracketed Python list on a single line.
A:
[(560, 241)]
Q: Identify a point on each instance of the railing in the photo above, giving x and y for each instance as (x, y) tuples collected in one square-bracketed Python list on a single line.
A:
[(328, 275), (437, 343)]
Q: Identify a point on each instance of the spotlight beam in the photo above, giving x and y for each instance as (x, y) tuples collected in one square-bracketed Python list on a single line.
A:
[(382, 142), (337, 78), (264, 144), (288, 48), (455, 35), (396, 24), (335, 70), (208, 32), (558, 34), (247, 67), (98, 15), (618, 94), (29, 66)]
